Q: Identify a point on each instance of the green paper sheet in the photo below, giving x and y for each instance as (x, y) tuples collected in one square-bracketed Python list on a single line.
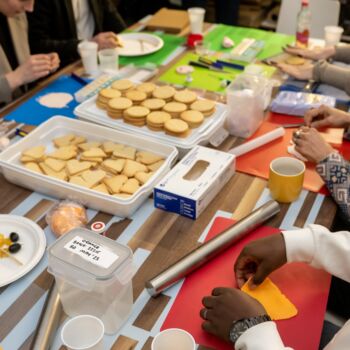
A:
[(171, 43), (204, 78), (273, 41)]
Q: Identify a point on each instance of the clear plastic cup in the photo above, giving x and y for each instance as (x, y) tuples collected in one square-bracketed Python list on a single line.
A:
[(196, 16), (173, 339), (108, 59), (332, 35), (201, 48), (88, 54), (84, 332)]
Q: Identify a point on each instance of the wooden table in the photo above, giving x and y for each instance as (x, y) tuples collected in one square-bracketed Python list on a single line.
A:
[(157, 239)]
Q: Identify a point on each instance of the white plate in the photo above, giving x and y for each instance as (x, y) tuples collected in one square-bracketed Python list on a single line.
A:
[(33, 242), (139, 44)]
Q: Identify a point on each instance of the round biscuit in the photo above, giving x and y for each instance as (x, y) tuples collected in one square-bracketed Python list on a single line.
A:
[(192, 118), (153, 104), (119, 103), (122, 85), (136, 96), (185, 96), (164, 92), (147, 88), (109, 93), (203, 106), (295, 60), (158, 118), (174, 107), (137, 112), (176, 126)]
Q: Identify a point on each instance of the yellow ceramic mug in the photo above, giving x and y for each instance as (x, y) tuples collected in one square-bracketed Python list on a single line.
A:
[(286, 179)]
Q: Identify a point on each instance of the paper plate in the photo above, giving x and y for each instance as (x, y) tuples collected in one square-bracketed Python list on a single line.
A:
[(33, 241), (139, 44)]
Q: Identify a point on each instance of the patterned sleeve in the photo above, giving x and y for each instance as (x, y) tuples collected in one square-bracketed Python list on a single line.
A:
[(335, 171)]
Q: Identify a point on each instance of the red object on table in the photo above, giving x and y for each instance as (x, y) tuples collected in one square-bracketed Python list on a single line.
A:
[(306, 287), (258, 162), (192, 38)]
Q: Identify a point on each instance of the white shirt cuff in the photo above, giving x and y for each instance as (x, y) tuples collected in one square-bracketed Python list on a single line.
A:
[(300, 245), (263, 336)]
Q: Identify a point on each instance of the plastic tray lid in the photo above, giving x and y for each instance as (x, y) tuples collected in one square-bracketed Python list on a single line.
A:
[(83, 257)]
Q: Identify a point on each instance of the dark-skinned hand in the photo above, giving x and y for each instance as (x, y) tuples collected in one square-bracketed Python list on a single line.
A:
[(259, 258), (225, 306)]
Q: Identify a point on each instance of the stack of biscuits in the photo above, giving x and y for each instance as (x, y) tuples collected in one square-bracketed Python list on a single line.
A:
[(105, 95), (107, 167), (154, 106)]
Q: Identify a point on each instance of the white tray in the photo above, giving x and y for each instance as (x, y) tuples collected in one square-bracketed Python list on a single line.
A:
[(57, 126), (90, 112)]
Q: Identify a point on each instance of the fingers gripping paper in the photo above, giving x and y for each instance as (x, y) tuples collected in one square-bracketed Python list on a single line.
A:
[(276, 304)]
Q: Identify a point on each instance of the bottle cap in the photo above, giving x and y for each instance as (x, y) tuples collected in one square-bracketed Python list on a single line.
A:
[(98, 226)]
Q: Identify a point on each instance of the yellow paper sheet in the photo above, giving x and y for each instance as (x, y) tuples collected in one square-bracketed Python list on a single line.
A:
[(276, 304)]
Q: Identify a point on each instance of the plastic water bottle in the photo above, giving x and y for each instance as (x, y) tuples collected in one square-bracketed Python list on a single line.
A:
[(303, 25)]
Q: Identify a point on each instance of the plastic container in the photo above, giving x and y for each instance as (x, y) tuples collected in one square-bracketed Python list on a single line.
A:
[(94, 276), (202, 135), (332, 35), (16, 173), (247, 97)]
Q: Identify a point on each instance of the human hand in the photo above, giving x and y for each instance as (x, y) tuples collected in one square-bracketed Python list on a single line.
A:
[(303, 72), (325, 116), (319, 53), (259, 258), (225, 306), (106, 40), (55, 61), (311, 145), (36, 67)]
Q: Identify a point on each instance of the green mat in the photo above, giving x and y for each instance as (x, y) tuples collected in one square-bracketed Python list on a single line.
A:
[(203, 78), (171, 43), (273, 41)]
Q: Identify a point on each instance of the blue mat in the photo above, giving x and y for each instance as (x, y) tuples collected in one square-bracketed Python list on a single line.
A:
[(33, 113)]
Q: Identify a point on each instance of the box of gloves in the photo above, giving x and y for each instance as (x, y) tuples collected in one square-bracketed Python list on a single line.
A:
[(193, 183)]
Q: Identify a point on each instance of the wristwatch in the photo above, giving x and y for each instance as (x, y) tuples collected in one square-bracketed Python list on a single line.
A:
[(240, 326)]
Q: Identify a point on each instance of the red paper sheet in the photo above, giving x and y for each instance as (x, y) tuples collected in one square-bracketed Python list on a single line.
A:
[(306, 288), (257, 162)]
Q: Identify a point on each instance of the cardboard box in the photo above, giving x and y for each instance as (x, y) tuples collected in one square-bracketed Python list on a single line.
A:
[(193, 183), (168, 20)]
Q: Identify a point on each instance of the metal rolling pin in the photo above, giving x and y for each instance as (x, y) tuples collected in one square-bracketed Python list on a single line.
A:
[(49, 321), (208, 250)]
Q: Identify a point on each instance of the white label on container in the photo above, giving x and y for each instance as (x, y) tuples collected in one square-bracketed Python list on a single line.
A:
[(91, 251)]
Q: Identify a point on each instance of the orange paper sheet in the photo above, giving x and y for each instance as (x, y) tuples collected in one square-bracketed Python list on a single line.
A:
[(276, 304), (258, 161)]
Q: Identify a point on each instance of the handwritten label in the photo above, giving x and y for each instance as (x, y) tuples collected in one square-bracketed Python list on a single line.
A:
[(91, 252)]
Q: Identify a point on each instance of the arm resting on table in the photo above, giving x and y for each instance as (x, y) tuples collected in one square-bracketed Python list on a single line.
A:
[(335, 171)]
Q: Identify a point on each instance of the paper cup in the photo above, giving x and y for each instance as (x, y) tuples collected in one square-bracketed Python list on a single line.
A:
[(108, 59), (84, 332), (173, 339), (196, 16), (286, 179), (332, 35), (88, 54)]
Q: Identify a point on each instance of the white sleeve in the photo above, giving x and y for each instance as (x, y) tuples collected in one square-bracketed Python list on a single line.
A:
[(320, 248), (264, 336)]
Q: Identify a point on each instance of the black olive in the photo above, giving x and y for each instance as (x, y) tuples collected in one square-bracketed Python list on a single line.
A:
[(14, 248), (14, 237)]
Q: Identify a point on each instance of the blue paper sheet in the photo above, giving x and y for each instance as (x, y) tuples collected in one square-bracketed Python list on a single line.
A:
[(33, 113)]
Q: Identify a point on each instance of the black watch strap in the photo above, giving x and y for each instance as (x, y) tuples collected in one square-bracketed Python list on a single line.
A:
[(240, 326)]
